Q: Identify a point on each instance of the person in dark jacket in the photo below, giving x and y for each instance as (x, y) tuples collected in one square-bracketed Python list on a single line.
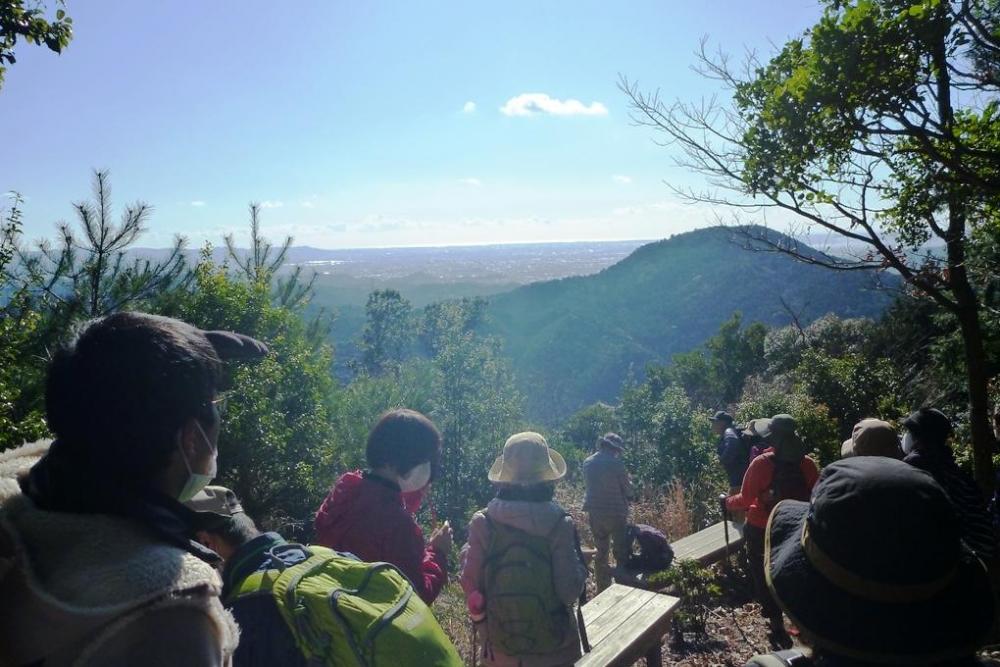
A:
[(733, 455), (925, 445), (223, 527), (606, 503), (371, 514)]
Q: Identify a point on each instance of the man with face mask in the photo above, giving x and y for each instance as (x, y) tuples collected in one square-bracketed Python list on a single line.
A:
[(102, 567), (371, 514), (925, 446)]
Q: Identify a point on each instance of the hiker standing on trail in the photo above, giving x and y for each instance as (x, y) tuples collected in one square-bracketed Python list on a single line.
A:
[(782, 473), (260, 575), (872, 437), (606, 502), (522, 570), (874, 572), (733, 453), (99, 564), (371, 514), (925, 444)]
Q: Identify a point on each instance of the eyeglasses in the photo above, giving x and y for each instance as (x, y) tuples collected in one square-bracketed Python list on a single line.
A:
[(221, 403)]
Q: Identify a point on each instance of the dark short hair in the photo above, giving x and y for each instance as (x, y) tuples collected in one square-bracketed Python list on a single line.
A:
[(235, 530), (404, 439), (124, 386)]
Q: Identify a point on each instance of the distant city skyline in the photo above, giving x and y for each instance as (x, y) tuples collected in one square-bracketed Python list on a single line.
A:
[(359, 125)]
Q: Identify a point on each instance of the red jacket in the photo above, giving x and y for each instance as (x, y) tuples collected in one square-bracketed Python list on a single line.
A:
[(754, 495), (367, 516)]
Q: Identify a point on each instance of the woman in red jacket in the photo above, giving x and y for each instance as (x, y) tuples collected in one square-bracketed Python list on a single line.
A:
[(371, 514), (783, 472)]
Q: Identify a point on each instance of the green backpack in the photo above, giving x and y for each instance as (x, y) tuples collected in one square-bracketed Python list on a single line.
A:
[(524, 616), (343, 611)]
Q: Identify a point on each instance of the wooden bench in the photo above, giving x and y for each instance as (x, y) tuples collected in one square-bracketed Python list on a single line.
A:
[(709, 545), (625, 624)]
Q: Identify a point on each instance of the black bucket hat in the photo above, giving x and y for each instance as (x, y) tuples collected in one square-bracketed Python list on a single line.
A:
[(722, 416), (612, 440), (873, 567)]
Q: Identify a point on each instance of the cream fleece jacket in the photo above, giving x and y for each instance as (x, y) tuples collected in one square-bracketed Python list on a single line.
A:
[(93, 589)]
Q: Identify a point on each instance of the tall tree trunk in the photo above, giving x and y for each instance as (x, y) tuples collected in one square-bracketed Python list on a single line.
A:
[(967, 301), (983, 442)]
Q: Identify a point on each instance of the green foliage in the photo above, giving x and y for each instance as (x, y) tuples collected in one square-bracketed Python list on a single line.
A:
[(879, 125), (89, 273), (474, 404), (852, 387), (817, 428), (713, 375), (699, 590), (21, 381), (358, 405), (388, 332), (277, 448), (583, 428), (28, 22)]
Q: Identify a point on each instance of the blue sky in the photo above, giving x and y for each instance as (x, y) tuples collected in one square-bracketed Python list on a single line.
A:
[(369, 124)]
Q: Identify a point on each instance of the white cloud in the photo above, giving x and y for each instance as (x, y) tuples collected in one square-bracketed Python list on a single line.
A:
[(198, 203), (619, 178), (307, 204), (474, 182), (529, 104), (271, 204), (469, 107)]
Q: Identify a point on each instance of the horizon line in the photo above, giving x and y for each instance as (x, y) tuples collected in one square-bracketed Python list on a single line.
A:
[(436, 245)]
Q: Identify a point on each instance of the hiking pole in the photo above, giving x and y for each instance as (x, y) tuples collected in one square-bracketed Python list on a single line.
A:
[(725, 524)]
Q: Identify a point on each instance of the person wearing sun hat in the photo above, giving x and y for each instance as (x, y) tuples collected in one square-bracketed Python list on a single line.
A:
[(925, 444), (525, 475), (782, 471), (606, 502), (873, 569)]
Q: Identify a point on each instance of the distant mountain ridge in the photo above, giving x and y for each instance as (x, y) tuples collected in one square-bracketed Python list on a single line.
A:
[(572, 341)]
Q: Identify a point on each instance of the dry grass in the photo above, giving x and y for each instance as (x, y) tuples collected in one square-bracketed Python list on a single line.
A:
[(666, 510)]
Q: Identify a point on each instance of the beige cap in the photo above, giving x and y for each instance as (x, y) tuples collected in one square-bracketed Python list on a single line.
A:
[(527, 459), (872, 437), (216, 500)]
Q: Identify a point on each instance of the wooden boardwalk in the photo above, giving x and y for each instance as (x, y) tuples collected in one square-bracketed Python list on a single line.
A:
[(709, 545), (625, 624)]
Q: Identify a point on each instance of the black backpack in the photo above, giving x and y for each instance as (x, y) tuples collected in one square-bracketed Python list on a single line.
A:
[(787, 480)]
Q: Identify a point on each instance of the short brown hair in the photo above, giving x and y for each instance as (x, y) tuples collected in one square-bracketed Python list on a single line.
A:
[(403, 438)]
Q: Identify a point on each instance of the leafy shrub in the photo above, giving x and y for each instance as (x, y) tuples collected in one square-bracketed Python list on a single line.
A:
[(699, 590)]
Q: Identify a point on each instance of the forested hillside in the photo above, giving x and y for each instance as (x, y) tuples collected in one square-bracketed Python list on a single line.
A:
[(574, 341)]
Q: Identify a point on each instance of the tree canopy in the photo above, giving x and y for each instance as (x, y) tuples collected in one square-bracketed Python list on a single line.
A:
[(879, 124)]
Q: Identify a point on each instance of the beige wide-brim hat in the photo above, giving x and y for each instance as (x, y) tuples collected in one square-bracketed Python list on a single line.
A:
[(527, 459)]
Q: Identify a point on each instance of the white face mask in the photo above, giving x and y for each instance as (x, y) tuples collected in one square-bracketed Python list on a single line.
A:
[(907, 442), (198, 481), (416, 479)]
